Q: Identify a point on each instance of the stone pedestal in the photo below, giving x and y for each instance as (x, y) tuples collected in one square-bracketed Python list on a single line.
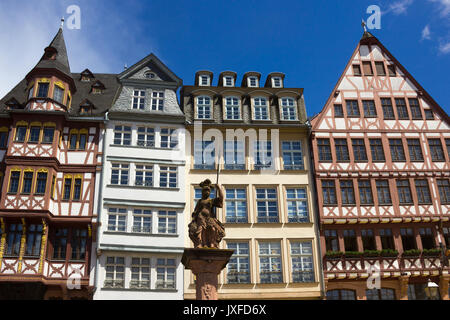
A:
[(206, 264)]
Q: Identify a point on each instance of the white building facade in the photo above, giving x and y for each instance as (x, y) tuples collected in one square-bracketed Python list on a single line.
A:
[(141, 193)]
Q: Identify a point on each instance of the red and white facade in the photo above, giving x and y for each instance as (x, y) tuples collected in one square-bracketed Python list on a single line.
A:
[(379, 135)]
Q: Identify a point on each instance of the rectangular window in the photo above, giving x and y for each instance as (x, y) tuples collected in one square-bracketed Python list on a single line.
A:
[(447, 144), (117, 218), (146, 137), (302, 261), (352, 108), (67, 188), (41, 182), (338, 111), (236, 205), (14, 180), (204, 80), (356, 70), (415, 151), (368, 239), (42, 91), (379, 66), (234, 155), (82, 142), (391, 70), (253, 81), (48, 134), (324, 150), (329, 192), (21, 133), (33, 243), (142, 221), (347, 193), (158, 100), (35, 133), (380, 294), (423, 192), (228, 81), (165, 274), (408, 239), (383, 193), (270, 262), (288, 110), (140, 273), (3, 139), (427, 237), (429, 114), (376, 149), (58, 94), (387, 240), (144, 175), (263, 155), (60, 244), (77, 189), (297, 205), (122, 135), (232, 109), (276, 82), (115, 272), (367, 68), (388, 110), (204, 155), (120, 173), (167, 222), (169, 138), (168, 177), (350, 243), (397, 152), (292, 155), (13, 239), (78, 244), (267, 205), (359, 150), (436, 151), (331, 240), (27, 182), (73, 141), (261, 111), (369, 108), (415, 109), (341, 150), (444, 190), (139, 99), (238, 269), (446, 232), (204, 108), (404, 192), (365, 192), (402, 112)]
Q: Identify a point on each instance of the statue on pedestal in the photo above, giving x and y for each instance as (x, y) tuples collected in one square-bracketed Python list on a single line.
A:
[(205, 230)]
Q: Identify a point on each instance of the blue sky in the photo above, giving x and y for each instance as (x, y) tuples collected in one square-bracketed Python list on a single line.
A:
[(309, 41)]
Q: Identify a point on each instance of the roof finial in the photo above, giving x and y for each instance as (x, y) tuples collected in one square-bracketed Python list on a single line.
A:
[(62, 23), (363, 24), (125, 67)]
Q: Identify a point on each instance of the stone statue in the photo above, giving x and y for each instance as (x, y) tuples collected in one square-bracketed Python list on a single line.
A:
[(205, 230)]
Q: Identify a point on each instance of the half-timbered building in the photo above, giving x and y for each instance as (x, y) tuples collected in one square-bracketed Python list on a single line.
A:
[(381, 149), (50, 136)]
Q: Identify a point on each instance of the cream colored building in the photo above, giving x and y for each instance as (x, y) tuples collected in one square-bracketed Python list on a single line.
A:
[(269, 207)]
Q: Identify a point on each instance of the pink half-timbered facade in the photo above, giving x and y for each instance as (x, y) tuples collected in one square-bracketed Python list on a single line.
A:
[(50, 134), (382, 169)]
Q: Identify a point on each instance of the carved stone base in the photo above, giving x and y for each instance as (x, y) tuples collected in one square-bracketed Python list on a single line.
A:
[(206, 264)]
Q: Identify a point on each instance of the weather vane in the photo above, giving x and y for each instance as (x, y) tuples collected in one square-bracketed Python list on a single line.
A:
[(363, 24)]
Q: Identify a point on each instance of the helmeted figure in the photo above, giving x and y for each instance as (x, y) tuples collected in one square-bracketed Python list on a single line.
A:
[(205, 230)]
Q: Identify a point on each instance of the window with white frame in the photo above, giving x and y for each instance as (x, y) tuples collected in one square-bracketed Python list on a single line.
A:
[(204, 155), (260, 108), (204, 80), (158, 100), (232, 109), (167, 177), (276, 82), (288, 109), (302, 261), (167, 221), (120, 173), (140, 273), (115, 272), (165, 273), (238, 269), (267, 205), (234, 155), (228, 81), (117, 219), (297, 205), (292, 155), (142, 220), (145, 136), (122, 135), (263, 154), (236, 205), (252, 81), (139, 99), (169, 138), (144, 175), (270, 262), (204, 108)]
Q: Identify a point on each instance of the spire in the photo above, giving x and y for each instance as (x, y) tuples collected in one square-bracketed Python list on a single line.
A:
[(366, 33)]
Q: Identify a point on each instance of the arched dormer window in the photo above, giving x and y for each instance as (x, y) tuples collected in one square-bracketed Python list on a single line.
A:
[(203, 108)]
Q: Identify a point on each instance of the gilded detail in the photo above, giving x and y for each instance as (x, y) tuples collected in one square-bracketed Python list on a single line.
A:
[(43, 245)]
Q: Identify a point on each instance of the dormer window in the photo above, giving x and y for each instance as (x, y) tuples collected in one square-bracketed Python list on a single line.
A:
[(252, 81), (96, 91), (42, 90), (276, 82), (97, 87), (228, 81), (86, 108), (85, 78), (261, 110), (150, 75), (288, 109), (86, 75), (203, 107), (204, 80)]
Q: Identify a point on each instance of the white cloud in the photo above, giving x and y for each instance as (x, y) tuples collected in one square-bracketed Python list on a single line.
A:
[(399, 7), (426, 33), (444, 7), (444, 48)]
